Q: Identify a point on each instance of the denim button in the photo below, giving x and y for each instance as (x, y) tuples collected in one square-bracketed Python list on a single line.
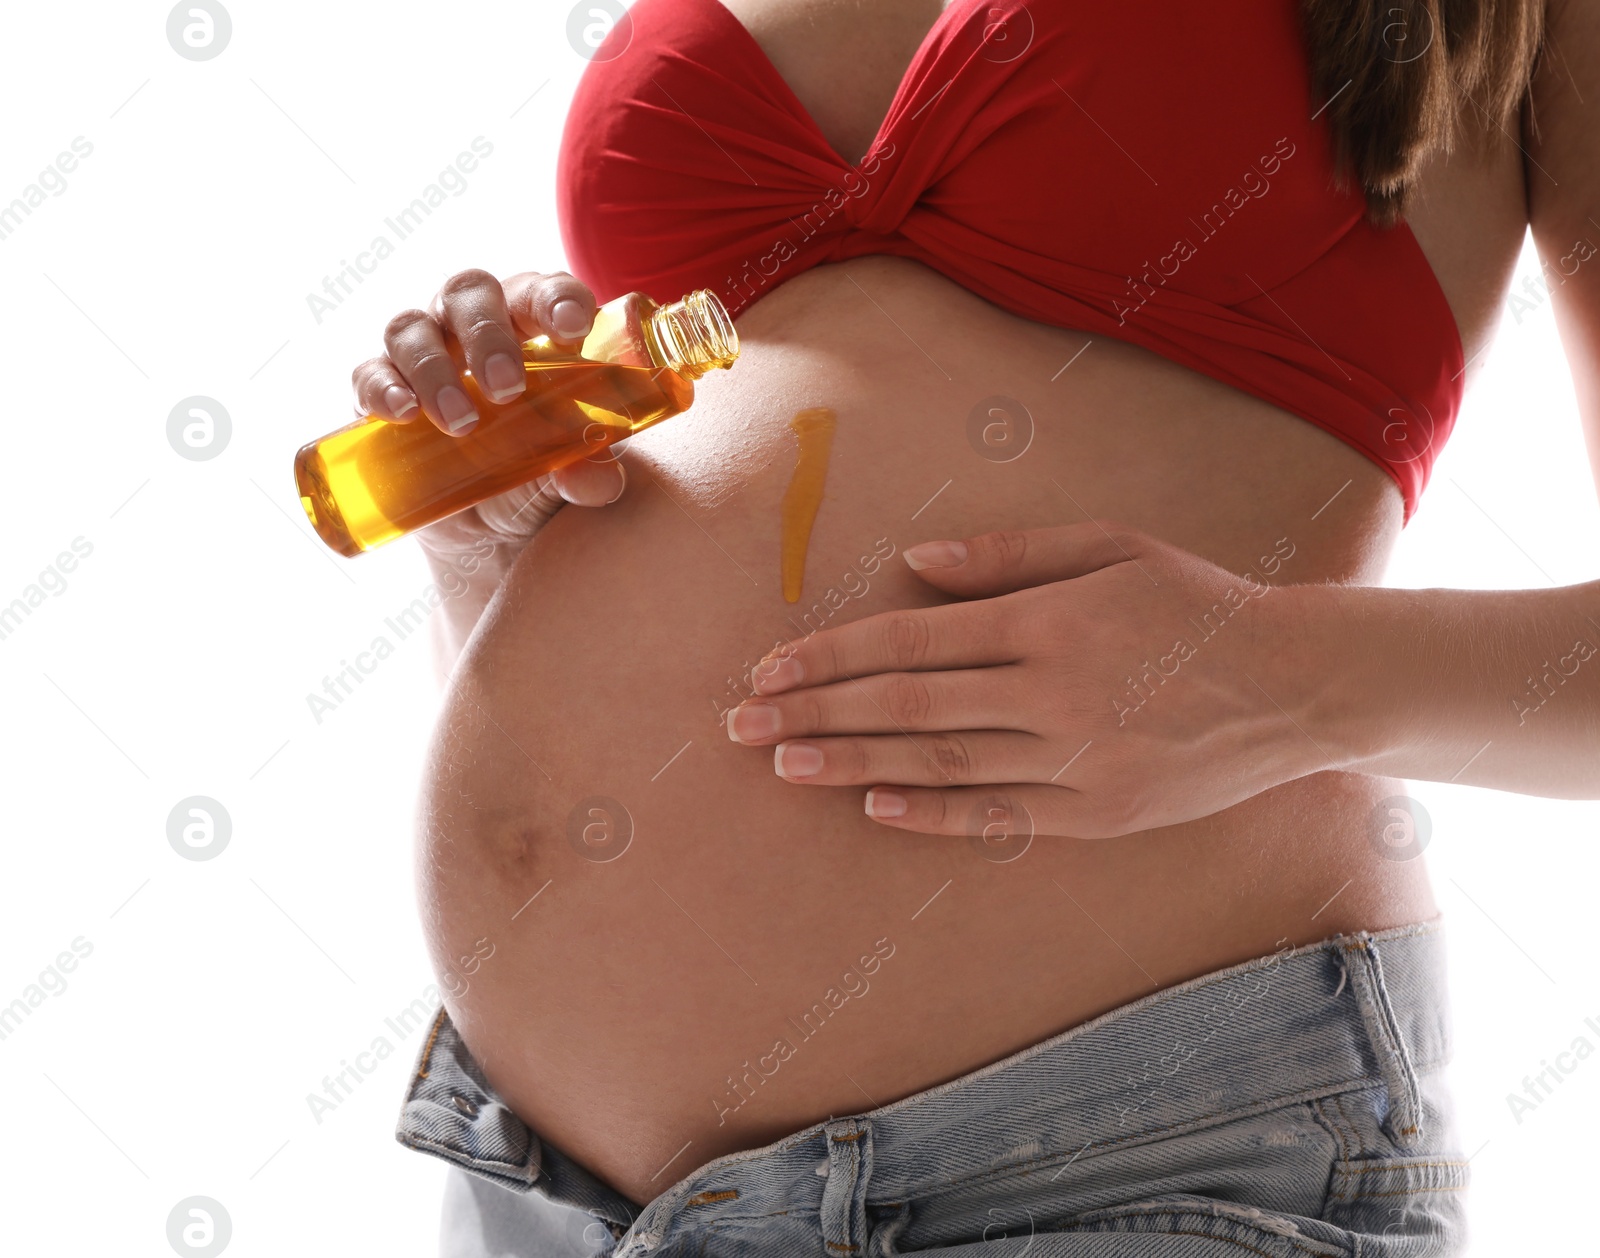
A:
[(465, 1106)]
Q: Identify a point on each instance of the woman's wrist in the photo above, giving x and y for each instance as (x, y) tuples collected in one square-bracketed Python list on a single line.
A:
[(464, 581), (1348, 670), (1497, 688), (484, 562)]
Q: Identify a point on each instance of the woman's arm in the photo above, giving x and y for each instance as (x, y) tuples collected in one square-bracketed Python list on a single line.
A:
[(1561, 141), (465, 582), (470, 553), (1099, 681), (1497, 688)]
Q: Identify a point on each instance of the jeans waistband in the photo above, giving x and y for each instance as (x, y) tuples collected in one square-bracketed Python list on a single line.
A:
[(1297, 1025), (1294, 1025)]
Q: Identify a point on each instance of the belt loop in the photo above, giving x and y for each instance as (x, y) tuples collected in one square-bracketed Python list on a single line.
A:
[(1403, 1123), (844, 1198)]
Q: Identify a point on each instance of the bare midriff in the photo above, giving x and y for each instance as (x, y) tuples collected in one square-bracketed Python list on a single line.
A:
[(693, 910)]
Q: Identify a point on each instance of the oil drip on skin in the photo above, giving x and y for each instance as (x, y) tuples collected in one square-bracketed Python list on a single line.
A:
[(813, 429)]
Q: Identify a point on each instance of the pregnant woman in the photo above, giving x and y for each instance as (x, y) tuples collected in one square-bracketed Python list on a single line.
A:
[(1035, 879)]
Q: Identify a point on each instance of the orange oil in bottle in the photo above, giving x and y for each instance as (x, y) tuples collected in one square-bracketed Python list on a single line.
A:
[(375, 480)]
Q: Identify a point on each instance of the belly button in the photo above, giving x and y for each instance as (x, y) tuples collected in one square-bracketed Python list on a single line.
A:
[(813, 428)]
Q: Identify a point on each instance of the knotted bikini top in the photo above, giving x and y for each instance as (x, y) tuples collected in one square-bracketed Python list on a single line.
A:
[(1156, 173)]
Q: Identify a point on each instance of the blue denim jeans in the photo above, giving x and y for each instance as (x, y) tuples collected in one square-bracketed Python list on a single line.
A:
[(1291, 1106)]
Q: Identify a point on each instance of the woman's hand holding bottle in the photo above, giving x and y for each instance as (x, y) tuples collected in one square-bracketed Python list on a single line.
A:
[(478, 323)]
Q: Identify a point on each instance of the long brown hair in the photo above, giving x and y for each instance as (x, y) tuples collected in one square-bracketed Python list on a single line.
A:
[(1399, 73)]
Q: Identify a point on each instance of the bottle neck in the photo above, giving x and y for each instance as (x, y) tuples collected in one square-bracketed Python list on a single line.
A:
[(692, 336)]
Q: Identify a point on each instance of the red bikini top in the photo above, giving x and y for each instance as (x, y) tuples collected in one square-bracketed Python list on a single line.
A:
[(1159, 174)]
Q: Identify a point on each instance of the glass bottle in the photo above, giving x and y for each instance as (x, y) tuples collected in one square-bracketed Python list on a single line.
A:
[(375, 480)]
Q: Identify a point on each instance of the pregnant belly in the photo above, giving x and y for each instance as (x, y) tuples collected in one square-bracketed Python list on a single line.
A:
[(659, 951)]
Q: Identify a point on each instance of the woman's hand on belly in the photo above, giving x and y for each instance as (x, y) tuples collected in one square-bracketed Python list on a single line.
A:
[(1103, 683)]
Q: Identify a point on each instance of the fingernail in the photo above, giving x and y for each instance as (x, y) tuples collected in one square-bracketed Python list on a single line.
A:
[(796, 760), (936, 555), (752, 721), (400, 401), (568, 319), (505, 379), (779, 673), (454, 405), (885, 804)]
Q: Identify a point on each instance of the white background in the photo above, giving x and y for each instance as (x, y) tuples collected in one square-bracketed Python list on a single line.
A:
[(177, 660)]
